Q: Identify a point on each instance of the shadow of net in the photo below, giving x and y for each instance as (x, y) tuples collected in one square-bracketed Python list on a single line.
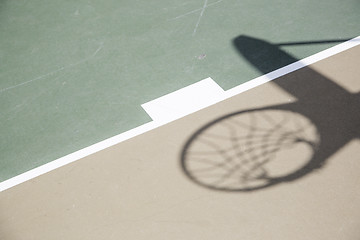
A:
[(258, 148)]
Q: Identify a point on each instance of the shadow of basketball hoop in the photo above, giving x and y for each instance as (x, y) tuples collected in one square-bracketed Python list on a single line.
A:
[(258, 148)]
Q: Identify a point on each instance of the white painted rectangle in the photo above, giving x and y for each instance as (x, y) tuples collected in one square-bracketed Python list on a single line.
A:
[(185, 101)]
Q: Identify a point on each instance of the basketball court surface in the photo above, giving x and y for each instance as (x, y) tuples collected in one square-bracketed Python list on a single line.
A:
[(172, 120)]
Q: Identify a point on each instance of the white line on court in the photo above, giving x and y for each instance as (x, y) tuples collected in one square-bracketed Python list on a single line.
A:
[(162, 121), (184, 101)]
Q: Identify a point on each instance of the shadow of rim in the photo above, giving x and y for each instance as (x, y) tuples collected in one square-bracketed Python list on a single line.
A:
[(311, 164)]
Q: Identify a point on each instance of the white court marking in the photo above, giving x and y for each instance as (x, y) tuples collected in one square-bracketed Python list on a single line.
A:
[(184, 101), (163, 118)]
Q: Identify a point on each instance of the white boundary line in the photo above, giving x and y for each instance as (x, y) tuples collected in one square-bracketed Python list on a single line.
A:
[(155, 124)]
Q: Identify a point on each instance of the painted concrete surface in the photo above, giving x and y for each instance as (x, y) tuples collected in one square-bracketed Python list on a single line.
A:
[(147, 188), (75, 73)]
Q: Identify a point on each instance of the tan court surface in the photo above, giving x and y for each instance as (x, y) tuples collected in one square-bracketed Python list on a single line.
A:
[(138, 189)]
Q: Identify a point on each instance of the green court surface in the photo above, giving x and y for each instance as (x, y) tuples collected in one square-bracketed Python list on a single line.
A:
[(76, 72)]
